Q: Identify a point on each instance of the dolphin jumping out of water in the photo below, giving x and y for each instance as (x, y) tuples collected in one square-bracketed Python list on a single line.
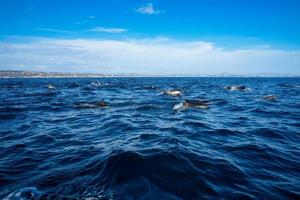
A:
[(192, 104), (236, 88), (174, 93)]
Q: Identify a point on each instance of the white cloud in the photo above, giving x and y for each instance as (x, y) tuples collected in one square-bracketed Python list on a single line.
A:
[(52, 30), (107, 30), (95, 29), (149, 9), (80, 22), (162, 56)]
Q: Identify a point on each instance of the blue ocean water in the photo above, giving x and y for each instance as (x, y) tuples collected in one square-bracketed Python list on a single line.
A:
[(138, 147)]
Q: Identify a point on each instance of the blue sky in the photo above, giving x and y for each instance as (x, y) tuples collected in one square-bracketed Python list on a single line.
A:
[(158, 36)]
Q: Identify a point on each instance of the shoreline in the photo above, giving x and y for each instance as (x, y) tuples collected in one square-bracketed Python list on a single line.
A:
[(48, 77), (4, 74)]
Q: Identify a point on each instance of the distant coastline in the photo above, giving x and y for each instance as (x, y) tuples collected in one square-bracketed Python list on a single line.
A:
[(37, 74)]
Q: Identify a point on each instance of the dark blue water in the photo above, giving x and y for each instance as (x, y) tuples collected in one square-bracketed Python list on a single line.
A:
[(241, 147)]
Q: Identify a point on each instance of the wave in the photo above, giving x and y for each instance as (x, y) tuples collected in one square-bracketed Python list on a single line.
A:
[(138, 147)]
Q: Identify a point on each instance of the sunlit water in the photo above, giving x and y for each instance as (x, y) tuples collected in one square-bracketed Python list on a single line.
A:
[(240, 147)]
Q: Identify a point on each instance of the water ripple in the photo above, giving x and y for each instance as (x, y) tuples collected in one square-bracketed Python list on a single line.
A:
[(138, 147)]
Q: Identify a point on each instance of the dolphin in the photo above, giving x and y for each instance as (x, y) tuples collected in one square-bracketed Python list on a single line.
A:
[(97, 104), (192, 104), (270, 98), (236, 88), (174, 93), (50, 86), (95, 83)]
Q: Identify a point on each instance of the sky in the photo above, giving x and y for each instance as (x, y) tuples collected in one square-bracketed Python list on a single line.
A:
[(155, 37)]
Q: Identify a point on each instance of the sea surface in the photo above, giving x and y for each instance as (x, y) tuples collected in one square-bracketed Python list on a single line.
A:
[(138, 147)]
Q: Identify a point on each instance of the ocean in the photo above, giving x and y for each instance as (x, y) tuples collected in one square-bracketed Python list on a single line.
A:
[(57, 143)]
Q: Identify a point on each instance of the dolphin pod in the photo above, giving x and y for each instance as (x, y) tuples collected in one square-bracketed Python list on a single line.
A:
[(186, 104)]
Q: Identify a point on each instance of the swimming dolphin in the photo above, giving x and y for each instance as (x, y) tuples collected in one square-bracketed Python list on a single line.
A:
[(98, 104), (192, 104), (149, 87), (174, 93), (50, 86), (270, 98), (236, 88), (95, 83)]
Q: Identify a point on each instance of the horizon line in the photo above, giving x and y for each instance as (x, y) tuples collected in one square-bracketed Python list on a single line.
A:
[(97, 74)]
